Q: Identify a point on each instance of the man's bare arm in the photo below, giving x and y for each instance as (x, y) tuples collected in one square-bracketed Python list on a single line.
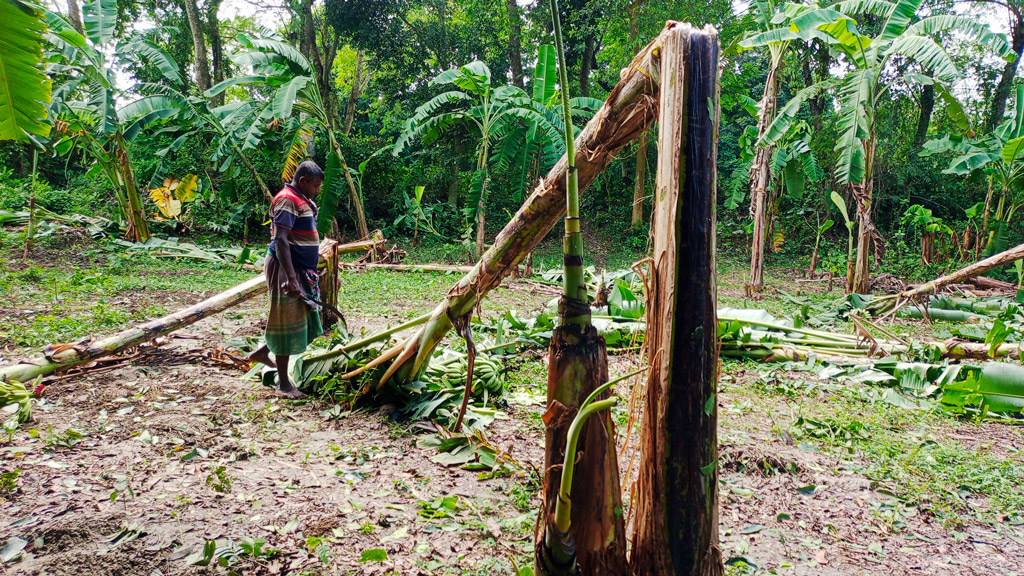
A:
[(283, 253)]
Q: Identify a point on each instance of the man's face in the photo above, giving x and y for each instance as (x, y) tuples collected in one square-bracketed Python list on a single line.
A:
[(310, 186)]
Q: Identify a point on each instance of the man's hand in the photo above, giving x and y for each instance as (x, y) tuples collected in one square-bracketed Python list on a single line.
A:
[(292, 288)]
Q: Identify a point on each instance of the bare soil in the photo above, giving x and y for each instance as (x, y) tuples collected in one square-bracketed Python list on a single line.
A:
[(176, 450)]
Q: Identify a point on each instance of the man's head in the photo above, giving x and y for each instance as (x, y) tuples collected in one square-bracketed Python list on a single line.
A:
[(308, 178)]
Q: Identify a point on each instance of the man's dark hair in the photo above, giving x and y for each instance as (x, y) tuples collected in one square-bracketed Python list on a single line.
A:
[(308, 170)]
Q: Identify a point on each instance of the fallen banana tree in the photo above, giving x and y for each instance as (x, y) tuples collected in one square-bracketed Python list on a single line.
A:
[(246, 257), (888, 305), (96, 225), (63, 356), (629, 111)]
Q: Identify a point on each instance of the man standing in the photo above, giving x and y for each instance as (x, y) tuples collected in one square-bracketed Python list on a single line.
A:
[(291, 274)]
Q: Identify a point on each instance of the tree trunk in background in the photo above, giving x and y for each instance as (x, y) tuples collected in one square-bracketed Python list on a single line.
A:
[(865, 227), (760, 174), (199, 45), (585, 64), (638, 184), (322, 59), (515, 43), (927, 106), (216, 46), (676, 526), (307, 33), (1002, 91), (354, 93), (816, 105), (75, 16)]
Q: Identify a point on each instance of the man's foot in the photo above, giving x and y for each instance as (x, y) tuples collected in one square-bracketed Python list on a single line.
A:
[(262, 355), (291, 392)]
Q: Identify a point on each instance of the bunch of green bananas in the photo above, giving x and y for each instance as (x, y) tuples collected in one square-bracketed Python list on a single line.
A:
[(15, 401), (450, 368)]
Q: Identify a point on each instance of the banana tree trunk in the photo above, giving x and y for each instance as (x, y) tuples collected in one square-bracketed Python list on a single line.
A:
[(138, 227), (578, 364), (69, 356), (628, 112), (865, 227), (481, 205), (676, 529), (638, 183), (760, 175), (64, 356)]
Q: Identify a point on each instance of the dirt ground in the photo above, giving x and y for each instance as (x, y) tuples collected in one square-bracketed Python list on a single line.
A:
[(129, 469)]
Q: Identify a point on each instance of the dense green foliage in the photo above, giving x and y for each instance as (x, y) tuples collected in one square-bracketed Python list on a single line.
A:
[(374, 71)]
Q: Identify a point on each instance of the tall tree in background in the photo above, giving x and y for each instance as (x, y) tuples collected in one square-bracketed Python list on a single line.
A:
[(195, 24), (515, 43), (75, 16), (360, 78), (927, 104), (1002, 92), (217, 57), (319, 43)]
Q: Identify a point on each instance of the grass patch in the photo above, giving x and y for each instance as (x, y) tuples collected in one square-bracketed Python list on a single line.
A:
[(907, 452)]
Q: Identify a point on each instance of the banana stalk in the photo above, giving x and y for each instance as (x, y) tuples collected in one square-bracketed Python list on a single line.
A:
[(588, 539)]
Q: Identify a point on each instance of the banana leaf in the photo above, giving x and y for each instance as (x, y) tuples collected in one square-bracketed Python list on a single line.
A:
[(993, 387)]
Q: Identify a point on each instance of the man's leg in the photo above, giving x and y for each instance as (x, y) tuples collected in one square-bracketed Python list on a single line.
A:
[(284, 385), (262, 355)]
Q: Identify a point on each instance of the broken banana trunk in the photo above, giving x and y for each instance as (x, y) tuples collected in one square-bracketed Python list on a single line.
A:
[(676, 521)]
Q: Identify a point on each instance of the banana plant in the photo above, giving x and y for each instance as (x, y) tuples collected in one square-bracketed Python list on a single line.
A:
[(489, 110), (84, 106), (777, 27), (931, 227), (869, 78), (1000, 155), (23, 79), (277, 65), (235, 130), (525, 149), (792, 164)]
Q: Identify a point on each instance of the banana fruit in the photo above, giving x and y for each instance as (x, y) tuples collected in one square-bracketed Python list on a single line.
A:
[(449, 369)]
